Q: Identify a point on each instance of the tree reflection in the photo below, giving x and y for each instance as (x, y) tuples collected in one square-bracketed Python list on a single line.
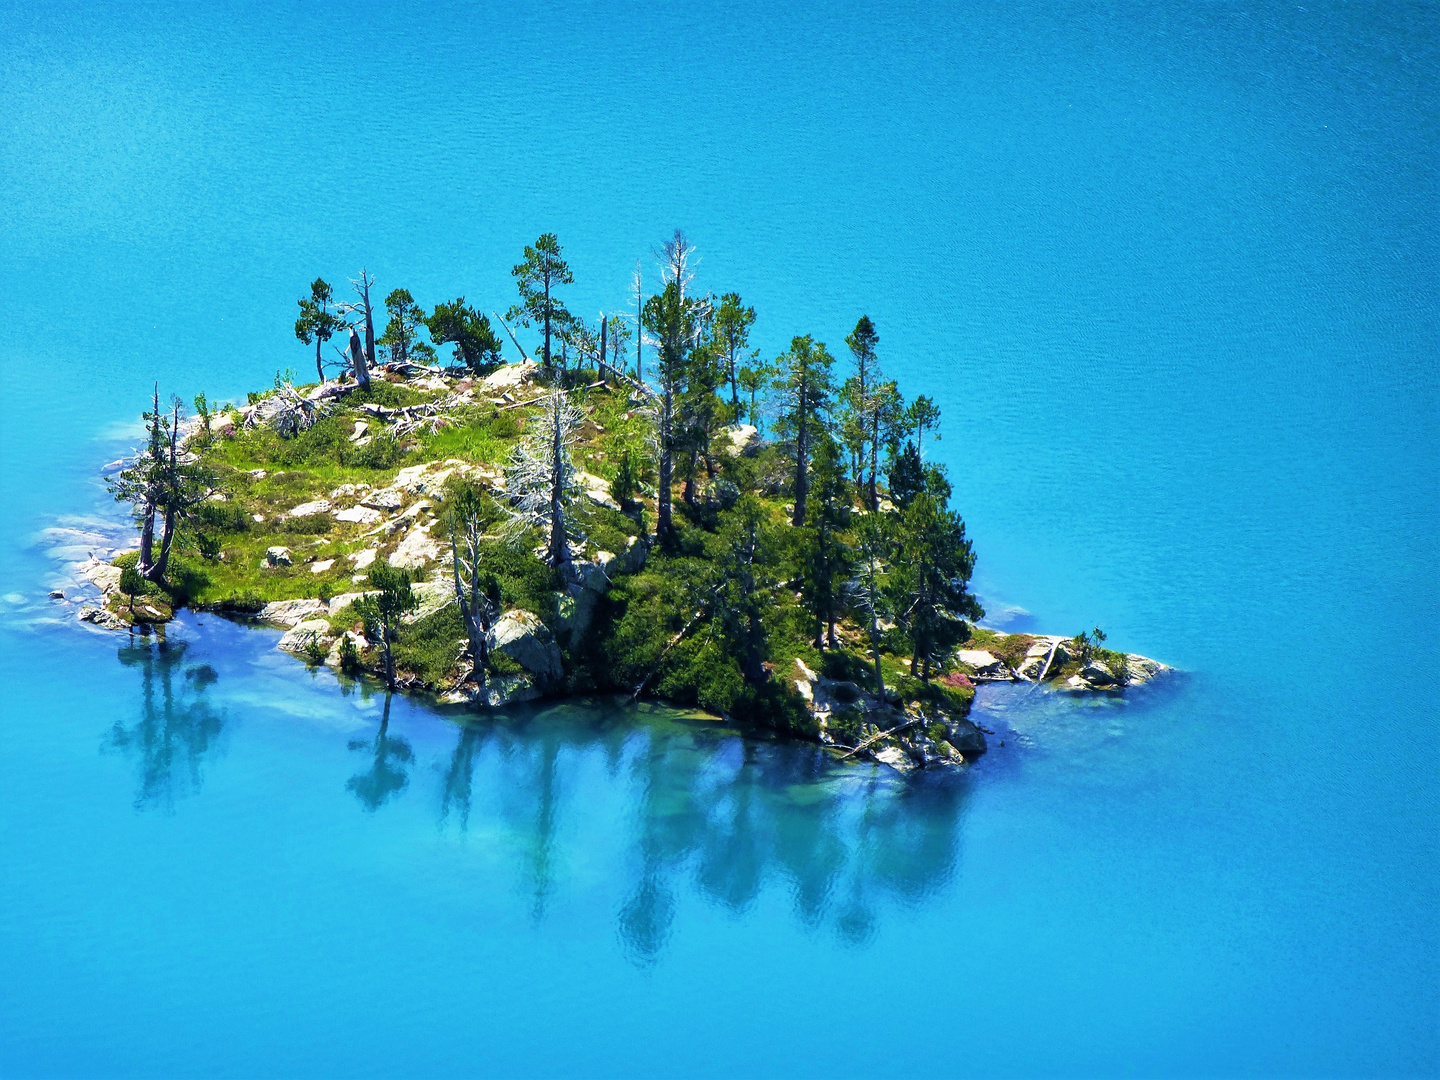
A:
[(390, 757), (715, 813), (177, 724)]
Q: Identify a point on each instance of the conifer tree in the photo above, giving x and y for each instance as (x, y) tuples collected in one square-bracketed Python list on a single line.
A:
[(805, 386), (672, 318), (931, 575), (476, 345), (868, 589), (732, 330), (381, 612), (317, 322), (826, 559), (537, 276), (402, 332)]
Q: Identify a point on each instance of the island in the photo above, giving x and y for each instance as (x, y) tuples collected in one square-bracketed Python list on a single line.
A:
[(644, 508)]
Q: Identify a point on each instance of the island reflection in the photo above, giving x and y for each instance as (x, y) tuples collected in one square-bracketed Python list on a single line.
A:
[(177, 725), (709, 809)]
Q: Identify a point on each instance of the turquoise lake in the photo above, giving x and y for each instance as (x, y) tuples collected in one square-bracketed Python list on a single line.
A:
[(1171, 275)]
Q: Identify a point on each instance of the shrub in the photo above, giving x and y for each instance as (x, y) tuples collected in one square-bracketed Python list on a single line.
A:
[(225, 517), (844, 726)]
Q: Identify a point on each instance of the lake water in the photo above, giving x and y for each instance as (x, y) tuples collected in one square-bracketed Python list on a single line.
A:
[(1172, 277)]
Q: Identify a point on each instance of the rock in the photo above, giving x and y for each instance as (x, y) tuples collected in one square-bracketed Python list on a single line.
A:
[(362, 559), (278, 556), (310, 509), (433, 596), (967, 739), (103, 576), (293, 612), (57, 594), (596, 488), (387, 499), (744, 439), (349, 491), (344, 600), (332, 659), (416, 509), (499, 690), (360, 429), (416, 549), (719, 493), (427, 479), (633, 559), (525, 639), (321, 566), (359, 515), (106, 620), (508, 377), (1097, 674), (1141, 668), (986, 665), (257, 518), (297, 639), (894, 757), (258, 474)]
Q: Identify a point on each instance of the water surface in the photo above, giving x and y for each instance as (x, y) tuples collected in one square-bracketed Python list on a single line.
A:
[(1171, 275)]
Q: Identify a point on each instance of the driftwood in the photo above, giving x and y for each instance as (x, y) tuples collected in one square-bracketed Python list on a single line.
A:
[(666, 651), (523, 354), (873, 739)]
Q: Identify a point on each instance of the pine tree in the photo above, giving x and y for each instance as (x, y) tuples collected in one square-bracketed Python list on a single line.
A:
[(805, 387), (826, 559), (537, 276), (381, 611), (317, 322)]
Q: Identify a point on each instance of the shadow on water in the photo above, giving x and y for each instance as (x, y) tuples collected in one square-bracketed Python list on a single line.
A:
[(390, 758), (178, 725), (712, 811)]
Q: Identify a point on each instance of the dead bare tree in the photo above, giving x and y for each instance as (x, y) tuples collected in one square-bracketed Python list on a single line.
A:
[(541, 475), (470, 512), (677, 257), (359, 312)]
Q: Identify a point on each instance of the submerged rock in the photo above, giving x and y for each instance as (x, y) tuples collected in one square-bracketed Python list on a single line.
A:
[(499, 690)]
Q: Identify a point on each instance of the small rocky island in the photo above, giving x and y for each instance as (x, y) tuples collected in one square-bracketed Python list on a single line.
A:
[(668, 518)]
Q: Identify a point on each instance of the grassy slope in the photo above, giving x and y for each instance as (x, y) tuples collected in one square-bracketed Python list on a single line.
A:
[(635, 621)]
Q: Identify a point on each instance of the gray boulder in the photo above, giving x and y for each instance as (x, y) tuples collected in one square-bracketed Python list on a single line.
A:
[(526, 640)]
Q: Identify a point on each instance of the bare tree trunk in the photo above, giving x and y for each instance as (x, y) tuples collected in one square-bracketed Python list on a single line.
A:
[(604, 341), (547, 321), (663, 527), (874, 455), (369, 325), (470, 612), (357, 361), (802, 452), (639, 323), (559, 542), (147, 538), (319, 367), (172, 481)]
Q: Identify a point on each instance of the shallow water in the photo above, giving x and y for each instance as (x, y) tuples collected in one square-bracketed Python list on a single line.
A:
[(1171, 277)]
